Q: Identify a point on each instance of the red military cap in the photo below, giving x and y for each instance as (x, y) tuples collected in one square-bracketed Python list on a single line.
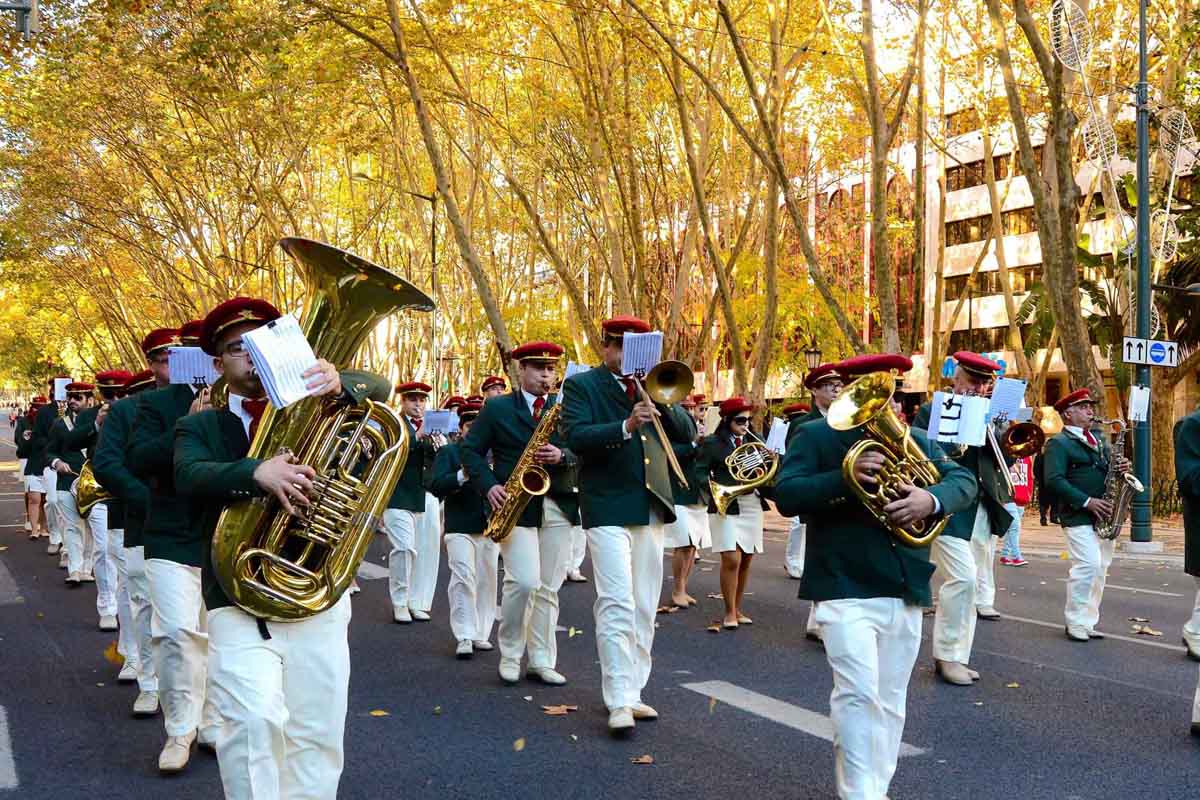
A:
[(80, 386), (973, 362), (454, 402), (489, 382), (189, 334), (140, 381), (232, 312), (538, 352), (698, 398), (469, 411), (688, 402), (475, 399), (874, 362), (113, 378), (159, 338), (825, 372), (39, 400), (795, 409), (735, 405), (414, 387), (1073, 399), (613, 328)]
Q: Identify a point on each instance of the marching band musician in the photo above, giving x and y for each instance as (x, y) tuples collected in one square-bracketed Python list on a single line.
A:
[(471, 556), (690, 530), (535, 552), (825, 384), (133, 497), (625, 498), (404, 519), (492, 386), (797, 414), (35, 510), (279, 690), (1187, 473), (1077, 465), (66, 460), (871, 586), (172, 562), (21, 436), (40, 479), (967, 545), (105, 523), (738, 533)]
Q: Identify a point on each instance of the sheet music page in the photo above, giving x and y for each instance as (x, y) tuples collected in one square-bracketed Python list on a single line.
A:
[(281, 354), (1007, 398), (574, 369), (777, 438), (442, 421), (60, 389), (641, 351), (958, 419), (192, 366)]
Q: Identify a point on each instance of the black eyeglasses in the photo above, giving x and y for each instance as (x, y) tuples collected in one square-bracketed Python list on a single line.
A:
[(742, 420), (235, 349)]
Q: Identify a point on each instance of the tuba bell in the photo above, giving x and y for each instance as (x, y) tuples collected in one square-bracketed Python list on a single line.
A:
[(751, 465), (282, 567), (867, 402)]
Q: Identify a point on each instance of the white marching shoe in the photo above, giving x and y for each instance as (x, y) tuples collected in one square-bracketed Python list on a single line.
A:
[(146, 704)]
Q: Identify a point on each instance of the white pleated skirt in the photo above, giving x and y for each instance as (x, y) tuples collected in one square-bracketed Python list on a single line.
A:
[(742, 530), (690, 528)]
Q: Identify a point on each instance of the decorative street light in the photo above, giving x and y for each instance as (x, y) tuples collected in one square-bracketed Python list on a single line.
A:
[(812, 355)]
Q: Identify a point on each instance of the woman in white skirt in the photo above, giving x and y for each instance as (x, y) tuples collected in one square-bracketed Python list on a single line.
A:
[(689, 531), (738, 534)]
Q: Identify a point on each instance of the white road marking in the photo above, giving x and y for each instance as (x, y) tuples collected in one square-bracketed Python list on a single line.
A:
[(791, 716), (1134, 589), (8, 767), (369, 572), (1061, 626)]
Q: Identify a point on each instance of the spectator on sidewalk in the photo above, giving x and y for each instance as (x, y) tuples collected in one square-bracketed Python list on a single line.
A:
[(1022, 481)]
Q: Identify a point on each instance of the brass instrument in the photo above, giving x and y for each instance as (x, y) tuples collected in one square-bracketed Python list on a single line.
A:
[(867, 402), (282, 567), (1023, 439), (88, 491), (1120, 486), (527, 481), (752, 465), (667, 383)]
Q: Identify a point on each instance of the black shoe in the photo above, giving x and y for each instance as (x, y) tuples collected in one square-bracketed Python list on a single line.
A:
[(1196, 729)]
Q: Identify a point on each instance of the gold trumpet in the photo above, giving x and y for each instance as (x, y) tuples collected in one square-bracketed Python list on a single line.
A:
[(867, 402), (667, 383), (752, 465)]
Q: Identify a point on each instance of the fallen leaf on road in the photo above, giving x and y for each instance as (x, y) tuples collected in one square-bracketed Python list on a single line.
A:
[(715, 597), (437, 711), (667, 609), (1013, 685), (1139, 619), (1146, 630), (3, 548), (519, 744), (714, 628), (978, 702), (646, 759), (712, 704), (40, 615), (558, 711), (574, 738), (379, 712), (112, 656), (573, 632), (528, 698), (99, 684)]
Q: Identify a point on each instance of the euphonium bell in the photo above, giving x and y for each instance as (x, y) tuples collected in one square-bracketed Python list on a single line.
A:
[(282, 567), (88, 491), (867, 402)]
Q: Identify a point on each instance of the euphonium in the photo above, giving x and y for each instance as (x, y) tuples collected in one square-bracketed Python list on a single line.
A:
[(88, 492), (752, 465), (867, 402), (282, 567), (527, 481)]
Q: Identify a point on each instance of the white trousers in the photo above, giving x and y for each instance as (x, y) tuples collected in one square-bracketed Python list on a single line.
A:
[(1191, 628), (141, 611), (103, 563), (983, 548), (429, 556), (535, 561), (281, 703), (53, 523), (954, 623), (793, 559), (578, 548), (180, 647), (471, 590), (126, 634), (401, 527), (1090, 558), (871, 645), (76, 534), (627, 568)]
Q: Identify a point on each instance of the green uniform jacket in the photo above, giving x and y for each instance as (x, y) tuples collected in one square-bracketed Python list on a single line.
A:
[(211, 469), (504, 428), (409, 494), (619, 479), (84, 436), (1187, 473), (166, 533), (24, 445), (466, 510), (685, 454), (993, 493), (794, 424), (57, 447), (710, 465), (43, 421), (848, 553), (1074, 472), (111, 471)]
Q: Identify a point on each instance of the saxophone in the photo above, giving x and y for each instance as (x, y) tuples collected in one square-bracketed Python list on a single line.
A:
[(528, 480), (1120, 486)]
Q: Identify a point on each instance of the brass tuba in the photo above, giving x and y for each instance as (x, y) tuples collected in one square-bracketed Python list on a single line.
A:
[(751, 465), (282, 567), (867, 402)]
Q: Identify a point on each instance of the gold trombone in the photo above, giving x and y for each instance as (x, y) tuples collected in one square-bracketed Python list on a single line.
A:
[(667, 383)]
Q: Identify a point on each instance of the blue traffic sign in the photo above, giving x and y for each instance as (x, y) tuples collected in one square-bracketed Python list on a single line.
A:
[(1158, 353)]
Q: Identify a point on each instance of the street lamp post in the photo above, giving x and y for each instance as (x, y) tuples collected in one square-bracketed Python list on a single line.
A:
[(1141, 528)]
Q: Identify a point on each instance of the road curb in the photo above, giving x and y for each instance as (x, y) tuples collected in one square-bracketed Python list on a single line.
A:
[(1119, 555)]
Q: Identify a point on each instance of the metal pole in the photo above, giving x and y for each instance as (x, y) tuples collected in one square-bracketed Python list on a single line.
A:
[(1140, 530), (433, 345)]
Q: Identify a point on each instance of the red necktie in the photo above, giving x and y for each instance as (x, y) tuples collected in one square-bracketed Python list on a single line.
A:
[(417, 424), (630, 388), (538, 404), (1090, 439), (255, 409), (737, 441)]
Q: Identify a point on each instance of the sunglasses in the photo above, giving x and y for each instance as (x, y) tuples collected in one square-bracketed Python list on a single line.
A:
[(742, 420)]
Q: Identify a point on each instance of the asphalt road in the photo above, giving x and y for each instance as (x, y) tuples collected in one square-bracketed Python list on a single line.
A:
[(741, 711)]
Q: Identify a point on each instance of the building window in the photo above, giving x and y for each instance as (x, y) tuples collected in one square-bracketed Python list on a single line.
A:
[(1022, 280), (965, 176), (976, 229)]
